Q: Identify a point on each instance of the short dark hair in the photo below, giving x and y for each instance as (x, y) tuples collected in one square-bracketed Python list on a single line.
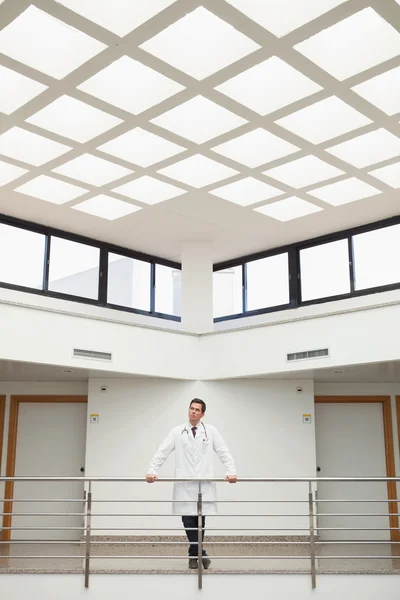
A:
[(198, 401)]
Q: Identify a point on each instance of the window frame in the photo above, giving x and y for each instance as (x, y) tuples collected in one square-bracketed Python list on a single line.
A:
[(105, 249), (293, 251)]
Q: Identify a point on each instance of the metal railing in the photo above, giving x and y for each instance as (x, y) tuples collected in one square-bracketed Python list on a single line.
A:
[(312, 514)]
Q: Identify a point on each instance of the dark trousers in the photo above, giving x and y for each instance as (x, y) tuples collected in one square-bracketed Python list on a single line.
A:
[(189, 523)]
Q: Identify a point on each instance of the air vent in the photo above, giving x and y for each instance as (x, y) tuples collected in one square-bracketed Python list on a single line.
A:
[(307, 354), (93, 354)]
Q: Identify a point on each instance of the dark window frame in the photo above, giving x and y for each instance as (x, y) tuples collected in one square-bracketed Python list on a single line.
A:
[(293, 251), (104, 248)]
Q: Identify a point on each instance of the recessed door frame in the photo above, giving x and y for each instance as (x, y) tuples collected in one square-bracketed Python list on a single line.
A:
[(385, 401), (12, 449), (398, 419), (2, 421)]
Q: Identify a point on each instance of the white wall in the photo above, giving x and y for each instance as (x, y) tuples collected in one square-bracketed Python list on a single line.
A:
[(48, 337), (48, 331), (362, 336), (312, 310), (215, 587), (260, 420)]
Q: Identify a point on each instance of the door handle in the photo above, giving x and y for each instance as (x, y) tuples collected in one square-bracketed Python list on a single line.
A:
[(82, 469), (318, 469)]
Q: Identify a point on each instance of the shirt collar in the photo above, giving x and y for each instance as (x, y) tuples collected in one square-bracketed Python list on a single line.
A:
[(189, 426)]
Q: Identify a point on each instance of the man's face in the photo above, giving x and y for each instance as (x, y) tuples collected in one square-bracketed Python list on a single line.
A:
[(195, 413)]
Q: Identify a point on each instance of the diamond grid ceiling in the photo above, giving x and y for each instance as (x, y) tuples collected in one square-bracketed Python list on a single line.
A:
[(209, 117)]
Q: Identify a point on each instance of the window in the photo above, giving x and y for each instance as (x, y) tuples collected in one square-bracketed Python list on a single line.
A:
[(227, 292), (22, 257), (74, 268), (168, 290), (128, 282), (376, 257), (268, 282), (324, 270)]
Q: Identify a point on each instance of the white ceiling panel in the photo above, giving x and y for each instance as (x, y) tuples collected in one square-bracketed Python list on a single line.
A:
[(10, 172), (343, 192), (16, 90), (256, 148), (106, 207), (200, 44), (288, 209), (352, 45), (324, 120), (30, 148), (199, 120), (141, 147), (93, 170), (269, 86), (51, 190), (247, 191), (282, 16), (382, 91), (149, 190), (74, 119), (368, 149), (303, 172), (389, 174), (198, 171), (44, 43), (119, 16), (130, 85)]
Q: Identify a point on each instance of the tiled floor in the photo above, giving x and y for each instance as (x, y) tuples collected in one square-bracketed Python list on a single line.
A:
[(274, 558)]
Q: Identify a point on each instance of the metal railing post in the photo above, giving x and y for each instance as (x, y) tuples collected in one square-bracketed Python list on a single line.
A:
[(200, 539), (88, 525), (312, 537)]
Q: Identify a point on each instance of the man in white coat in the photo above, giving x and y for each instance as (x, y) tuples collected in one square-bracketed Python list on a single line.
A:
[(194, 443)]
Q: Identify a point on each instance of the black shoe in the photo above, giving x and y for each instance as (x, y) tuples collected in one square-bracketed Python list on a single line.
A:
[(206, 562), (192, 563)]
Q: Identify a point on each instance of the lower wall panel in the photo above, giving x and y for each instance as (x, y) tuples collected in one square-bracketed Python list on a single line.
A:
[(184, 587)]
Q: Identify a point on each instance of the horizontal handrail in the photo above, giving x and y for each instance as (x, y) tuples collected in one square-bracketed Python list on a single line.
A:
[(195, 529), (54, 514), (185, 543), (126, 500), (211, 556), (203, 480)]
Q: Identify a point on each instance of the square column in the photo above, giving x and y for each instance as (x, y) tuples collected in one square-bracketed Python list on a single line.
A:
[(197, 287)]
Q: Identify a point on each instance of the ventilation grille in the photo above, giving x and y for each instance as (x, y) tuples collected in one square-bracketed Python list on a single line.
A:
[(79, 353), (307, 354)]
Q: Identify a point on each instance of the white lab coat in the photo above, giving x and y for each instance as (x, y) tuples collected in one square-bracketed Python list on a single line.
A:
[(193, 458)]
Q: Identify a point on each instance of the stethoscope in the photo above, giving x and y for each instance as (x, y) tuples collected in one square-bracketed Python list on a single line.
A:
[(205, 437)]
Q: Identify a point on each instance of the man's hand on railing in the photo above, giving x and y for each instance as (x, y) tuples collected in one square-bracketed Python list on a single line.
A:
[(231, 478), (151, 478)]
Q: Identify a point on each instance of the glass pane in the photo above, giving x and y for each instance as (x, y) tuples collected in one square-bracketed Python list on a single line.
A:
[(324, 270), (268, 282), (227, 292), (74, 268), (376, 257), (168, 290), (128, 282), (22, 257)]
